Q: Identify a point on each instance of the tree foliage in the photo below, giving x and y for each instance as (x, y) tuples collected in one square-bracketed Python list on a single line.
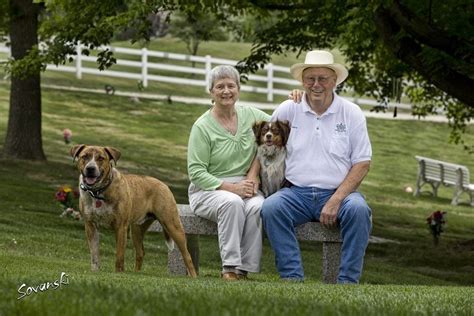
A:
[(195, 27), (59, 25), (429, 44)]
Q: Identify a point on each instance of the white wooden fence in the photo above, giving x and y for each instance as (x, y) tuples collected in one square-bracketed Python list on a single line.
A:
[(203, 64)]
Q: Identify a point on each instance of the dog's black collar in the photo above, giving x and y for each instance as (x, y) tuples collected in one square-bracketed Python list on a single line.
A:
[(96, 194)]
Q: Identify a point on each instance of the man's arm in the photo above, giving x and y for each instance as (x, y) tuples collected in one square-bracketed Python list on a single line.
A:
[(350, 184)]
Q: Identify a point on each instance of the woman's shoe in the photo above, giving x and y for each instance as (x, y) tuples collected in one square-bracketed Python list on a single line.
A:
[(229, 276), (242, 276)]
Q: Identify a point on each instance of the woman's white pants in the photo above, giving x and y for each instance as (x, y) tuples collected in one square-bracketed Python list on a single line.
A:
[(238, 221)]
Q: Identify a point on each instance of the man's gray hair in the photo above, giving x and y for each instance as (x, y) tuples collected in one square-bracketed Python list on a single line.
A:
[(223, 72)]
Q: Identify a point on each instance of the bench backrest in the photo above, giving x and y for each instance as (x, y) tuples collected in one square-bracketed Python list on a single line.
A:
[(444, 172)]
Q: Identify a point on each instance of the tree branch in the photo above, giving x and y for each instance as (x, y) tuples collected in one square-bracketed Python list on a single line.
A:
[(409, 51), (455, 46)]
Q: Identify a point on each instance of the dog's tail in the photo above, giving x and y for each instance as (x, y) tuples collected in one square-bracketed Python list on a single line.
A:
[(168, 240)]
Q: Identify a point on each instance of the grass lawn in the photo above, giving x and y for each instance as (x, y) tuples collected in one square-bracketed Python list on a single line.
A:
[(403, 277)]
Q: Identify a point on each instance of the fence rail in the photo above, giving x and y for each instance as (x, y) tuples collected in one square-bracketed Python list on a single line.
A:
[(203, 66), (275, 81)]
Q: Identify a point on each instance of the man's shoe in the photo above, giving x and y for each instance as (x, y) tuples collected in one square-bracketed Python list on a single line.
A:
[(229, 276)]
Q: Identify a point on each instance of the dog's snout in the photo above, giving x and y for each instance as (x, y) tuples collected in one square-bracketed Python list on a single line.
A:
[(90, 170), (268, 136)]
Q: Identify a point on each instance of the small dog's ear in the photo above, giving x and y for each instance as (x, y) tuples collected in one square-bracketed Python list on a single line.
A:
[(257, 128), (113, 153), (76, 150), (285, 127)]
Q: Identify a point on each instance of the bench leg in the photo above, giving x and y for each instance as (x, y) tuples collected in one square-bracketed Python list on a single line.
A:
[(331, 261), (435, 188), (419, 184), (456, 196), (175, 259)]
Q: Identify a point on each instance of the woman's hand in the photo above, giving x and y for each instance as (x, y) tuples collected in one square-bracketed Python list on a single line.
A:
[(244, 189), (296, 95), (256, 183)]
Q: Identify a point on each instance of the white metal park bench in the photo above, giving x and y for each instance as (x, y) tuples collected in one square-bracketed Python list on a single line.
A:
[(195, 226), (436, 172)]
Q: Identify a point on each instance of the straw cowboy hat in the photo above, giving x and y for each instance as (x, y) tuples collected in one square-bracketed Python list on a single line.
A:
[(319, 58)]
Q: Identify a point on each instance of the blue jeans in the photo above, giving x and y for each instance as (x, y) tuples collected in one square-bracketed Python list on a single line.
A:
[(290, 207)]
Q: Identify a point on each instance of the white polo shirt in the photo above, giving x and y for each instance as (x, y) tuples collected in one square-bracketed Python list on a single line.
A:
[(323, 148)]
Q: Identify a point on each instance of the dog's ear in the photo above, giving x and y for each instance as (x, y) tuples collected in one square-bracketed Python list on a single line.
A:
[(257, 128), (76, 150), (285, 127), (113, 153)]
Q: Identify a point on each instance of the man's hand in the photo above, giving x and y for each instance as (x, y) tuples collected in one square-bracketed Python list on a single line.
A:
[(296, 95), (329, 212)]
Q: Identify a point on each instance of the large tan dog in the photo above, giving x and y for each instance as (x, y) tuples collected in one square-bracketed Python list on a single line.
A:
[(110, 198)]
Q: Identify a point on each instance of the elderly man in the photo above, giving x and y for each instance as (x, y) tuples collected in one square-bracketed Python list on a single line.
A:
[(329, 155)]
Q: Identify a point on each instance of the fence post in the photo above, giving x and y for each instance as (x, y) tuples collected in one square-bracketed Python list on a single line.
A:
[(270, 82), (79, 60), (208, 66), (145, 67)]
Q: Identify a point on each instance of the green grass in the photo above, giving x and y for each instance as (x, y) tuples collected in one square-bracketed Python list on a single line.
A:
[(408, 276)]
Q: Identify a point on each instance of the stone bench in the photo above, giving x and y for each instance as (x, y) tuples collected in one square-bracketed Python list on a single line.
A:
[(195, 226)]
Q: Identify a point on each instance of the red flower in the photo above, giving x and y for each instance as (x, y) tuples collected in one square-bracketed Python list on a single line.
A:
[(61, 196), (435, 224), (66, 196)]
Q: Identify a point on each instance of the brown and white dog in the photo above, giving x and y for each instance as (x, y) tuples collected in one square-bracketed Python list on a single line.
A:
[(117, 200), (271, 139)]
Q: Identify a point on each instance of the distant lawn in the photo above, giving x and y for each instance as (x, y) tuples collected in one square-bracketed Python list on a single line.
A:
[(403, 277)]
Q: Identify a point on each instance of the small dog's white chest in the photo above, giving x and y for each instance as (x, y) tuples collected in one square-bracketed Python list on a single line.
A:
[(272, 168)]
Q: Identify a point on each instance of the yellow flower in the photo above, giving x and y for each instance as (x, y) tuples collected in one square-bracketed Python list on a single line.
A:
[(67, 189)]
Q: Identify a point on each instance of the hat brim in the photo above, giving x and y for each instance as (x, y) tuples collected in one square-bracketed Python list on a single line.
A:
[(341, 72)]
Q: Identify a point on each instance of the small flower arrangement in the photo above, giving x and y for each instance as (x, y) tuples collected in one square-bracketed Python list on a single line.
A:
[(66, 197), (435, 223), (67, 134)]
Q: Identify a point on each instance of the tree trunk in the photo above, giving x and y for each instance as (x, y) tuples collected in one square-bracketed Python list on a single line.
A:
[(24, 140)]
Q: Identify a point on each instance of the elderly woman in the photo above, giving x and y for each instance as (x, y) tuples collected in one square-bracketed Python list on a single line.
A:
[(223, 176)]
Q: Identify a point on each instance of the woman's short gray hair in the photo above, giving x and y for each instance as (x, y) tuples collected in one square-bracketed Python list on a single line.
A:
[(222, 72)]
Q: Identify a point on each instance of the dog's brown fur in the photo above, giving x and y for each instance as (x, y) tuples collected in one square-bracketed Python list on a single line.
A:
[(108, 197)]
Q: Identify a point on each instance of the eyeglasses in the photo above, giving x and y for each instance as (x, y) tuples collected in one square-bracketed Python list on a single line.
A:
[(312, 80)]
